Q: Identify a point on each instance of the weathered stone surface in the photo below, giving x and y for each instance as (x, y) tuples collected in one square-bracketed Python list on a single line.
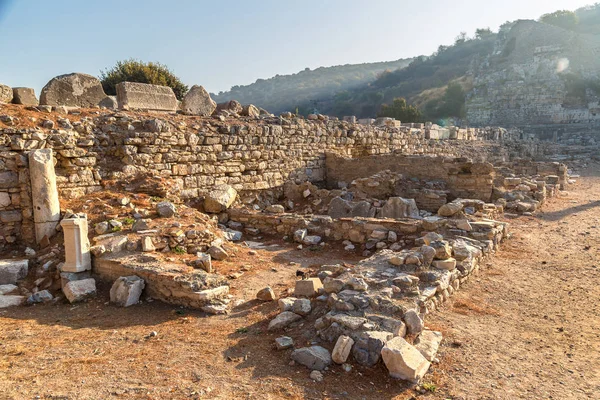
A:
[(307, 287), (198, 102), (450, 209), (397, 207), (413, 321), (11, 301), (42, 296), (213, 293), (74, 90), (166, 209), (46, 208), (109, 102), (286, 304), (143, 96), (12, 271), (266, 294), (77, 245), (342, 349), (367, 348), (218, 253), (284, 342), (25, 96), (283, 320), (448, 264), (126, 290), (204, 262), (403, 360), (76, 291), (250, 110), (428, 343), (147, 245), (315, 357), (340, 208), (232, 106), (8, 289), (301, 307), (220, 199), (6, 94)]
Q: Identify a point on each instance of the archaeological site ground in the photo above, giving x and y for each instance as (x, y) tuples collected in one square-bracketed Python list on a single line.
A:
[(156, 244), (225, 252)]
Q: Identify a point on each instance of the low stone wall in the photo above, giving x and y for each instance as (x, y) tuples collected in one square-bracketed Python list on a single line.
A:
[(464, 179)]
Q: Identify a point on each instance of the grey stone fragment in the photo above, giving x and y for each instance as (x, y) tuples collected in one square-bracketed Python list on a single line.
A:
[(11, 301), (74, 90), (12, 271), (76, 291), (315, 357), (126, 290), (24, 96), (283, 320), (143, 96), (166, 209), (40, 297), (198, 102), (284, 342), (367, 347), (6, 94)]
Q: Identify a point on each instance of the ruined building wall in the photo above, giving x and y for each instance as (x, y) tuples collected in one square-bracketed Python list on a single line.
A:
[(464, 179), (93, 149)]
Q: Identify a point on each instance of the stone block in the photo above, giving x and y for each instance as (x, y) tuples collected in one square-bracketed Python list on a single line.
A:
[(74, 90), (428, 343), (403, 360), (77, 245), (307, 287), (198, 102), (368, 345), (143, 96), (315, 357), (342, 348), (8, 289), (12, 271), (213, 293), (284, 342), (46, 207), (126, 290), (282, 320), (11, 301), (6, 94), (219, 199), (25, 96), (76, 291), (266, 294)]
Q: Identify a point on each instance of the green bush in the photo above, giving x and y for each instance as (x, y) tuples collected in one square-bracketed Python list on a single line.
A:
[(137, 71), (400, 111)]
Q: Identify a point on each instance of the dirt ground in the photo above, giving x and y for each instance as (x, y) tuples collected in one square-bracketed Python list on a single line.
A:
[(527, 327)]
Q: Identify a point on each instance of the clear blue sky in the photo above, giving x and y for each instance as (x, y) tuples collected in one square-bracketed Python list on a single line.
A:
[(221, 44)]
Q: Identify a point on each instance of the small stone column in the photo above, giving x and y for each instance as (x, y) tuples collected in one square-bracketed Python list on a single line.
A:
[(77, 245), (44, 194)]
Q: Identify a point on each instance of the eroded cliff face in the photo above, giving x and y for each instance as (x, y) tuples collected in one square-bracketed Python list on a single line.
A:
[(541, 78)]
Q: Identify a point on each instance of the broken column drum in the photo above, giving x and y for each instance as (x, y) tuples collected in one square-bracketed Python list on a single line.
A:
[(46, 208), (77, 245)]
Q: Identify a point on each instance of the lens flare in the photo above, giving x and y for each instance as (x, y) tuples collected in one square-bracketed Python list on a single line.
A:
[(562, 65)]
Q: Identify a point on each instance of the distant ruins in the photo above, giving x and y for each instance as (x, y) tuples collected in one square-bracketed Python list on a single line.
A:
[(130, 191)]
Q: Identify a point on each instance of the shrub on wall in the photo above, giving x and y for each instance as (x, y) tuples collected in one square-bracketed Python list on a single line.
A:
[(137, 71)]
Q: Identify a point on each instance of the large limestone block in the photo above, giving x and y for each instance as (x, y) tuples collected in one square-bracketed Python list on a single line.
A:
[(198, 102), (219, 199), (143, 96), (213, 293), (46, 208), (126, 290), (232, 106), (6, 94), (315, 357), (12, 271), (403, 360), (76, 291), (25, 96), (75, 90), (397, 207)]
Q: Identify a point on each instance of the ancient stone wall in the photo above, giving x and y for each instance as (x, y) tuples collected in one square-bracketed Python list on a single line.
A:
[(94, 149), (464, 178)]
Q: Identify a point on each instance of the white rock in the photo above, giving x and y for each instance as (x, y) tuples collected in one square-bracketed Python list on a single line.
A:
[(12, 271), (342, 349), (403, 360), (11, 301), (76, 291), (428, 343), (283, 320)]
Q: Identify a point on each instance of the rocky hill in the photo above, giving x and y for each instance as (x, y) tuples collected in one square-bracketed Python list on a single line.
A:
[(287, 92), (538, 75)]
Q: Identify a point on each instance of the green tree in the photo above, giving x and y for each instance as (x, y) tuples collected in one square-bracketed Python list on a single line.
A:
[(401, 111), (137, 71), (562, 18), (482, 33)]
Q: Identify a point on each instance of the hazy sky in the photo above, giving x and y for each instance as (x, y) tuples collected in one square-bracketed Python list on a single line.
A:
[(223, 43)]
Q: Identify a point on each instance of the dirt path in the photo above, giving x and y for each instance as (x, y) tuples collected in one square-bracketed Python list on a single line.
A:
[(526, 328), (529, 327)]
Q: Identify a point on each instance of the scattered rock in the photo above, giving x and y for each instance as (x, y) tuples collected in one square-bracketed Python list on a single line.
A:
[(218, 253), (307, 287), (428, 343), (76, 291), (42, 296), (11, 301), (316, 376), (403, 361), (315, 357), (283, 320), (166, 209), (413, 321), (12, 271), (266, 294), (197, 101), (75, 90), (219, 199), (126, 290), (342, 348), (284, 342)]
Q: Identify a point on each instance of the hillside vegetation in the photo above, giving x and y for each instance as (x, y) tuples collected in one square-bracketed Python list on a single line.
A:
[(286, 92), (435, 85)]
